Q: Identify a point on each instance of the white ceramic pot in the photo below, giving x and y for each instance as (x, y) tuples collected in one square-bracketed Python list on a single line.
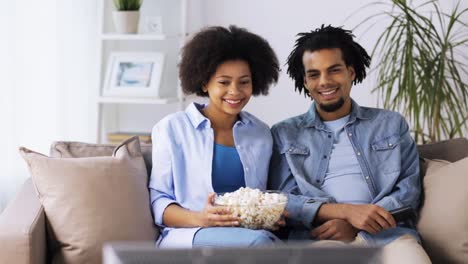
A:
[(126, 22)]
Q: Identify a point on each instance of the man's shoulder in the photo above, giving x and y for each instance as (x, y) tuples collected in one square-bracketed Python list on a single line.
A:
[(379, 114), (293, 123)]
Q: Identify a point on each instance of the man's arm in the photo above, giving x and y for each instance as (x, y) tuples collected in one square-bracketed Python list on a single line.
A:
[(301, 208), (407, 189)]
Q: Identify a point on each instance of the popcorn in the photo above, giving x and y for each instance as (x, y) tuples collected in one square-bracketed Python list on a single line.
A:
[(256, 209)]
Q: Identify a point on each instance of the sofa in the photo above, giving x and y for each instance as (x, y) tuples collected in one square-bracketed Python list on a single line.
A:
[(24, 226)]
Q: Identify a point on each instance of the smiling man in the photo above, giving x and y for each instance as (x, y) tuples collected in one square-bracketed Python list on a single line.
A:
[(345, 166)]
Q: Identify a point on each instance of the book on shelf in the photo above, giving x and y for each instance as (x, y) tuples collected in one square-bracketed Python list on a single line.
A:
[(118, 137)]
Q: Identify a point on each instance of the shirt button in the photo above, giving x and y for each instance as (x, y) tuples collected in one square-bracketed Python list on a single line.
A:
[(324, 156), (246, 169), (390, 144), (317, 181), (350, 134), (367, 177), (329, 136), (359, 153), (239, 146)]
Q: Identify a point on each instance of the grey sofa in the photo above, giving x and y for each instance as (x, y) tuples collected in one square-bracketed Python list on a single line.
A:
[(23, 237)]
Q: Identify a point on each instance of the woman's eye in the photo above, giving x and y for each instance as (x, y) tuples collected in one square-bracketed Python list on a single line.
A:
[(223, 82)]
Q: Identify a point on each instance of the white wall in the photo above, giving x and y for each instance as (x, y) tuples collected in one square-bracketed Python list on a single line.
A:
[(48, 68), (48, 53), (279, 21)]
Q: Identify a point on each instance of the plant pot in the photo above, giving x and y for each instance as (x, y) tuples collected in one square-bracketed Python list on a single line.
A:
[(126, 22)]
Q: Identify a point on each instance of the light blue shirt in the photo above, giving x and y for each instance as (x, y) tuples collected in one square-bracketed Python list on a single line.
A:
[(182, 164), (344, 180)]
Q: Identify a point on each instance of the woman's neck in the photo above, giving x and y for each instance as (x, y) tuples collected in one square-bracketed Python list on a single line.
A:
[(219, 120)]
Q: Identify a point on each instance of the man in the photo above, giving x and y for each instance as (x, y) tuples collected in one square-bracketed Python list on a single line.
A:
[(345, 166)]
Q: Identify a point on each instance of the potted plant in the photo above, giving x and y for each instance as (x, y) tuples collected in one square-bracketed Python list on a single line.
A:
[(126, 16), (422, 66)]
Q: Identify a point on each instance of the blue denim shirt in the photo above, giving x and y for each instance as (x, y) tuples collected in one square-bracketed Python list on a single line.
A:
[(383, 146), (182, 164)]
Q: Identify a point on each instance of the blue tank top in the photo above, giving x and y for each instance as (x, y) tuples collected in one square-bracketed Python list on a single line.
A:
[(227, 170)]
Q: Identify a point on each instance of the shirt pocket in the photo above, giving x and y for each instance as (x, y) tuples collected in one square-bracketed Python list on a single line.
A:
[(296, 155), (388, 154)]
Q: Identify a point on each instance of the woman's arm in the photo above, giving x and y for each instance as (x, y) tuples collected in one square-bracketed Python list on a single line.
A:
[(177, 216)]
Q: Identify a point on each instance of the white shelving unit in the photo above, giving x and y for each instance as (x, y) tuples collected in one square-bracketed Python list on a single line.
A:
[(139, 114)]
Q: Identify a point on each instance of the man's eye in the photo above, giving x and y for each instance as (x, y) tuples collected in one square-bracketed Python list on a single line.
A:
[(244, 82), (223, 82), (312, 76)]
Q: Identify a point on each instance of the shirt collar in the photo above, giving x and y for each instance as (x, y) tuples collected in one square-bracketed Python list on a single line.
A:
[(197, 119), (312, 119)]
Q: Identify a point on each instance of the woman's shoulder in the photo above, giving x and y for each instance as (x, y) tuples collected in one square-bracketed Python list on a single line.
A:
[(253, 120), (172, 120)]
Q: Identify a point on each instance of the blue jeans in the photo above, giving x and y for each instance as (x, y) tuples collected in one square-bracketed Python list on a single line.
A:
[(233, 237)]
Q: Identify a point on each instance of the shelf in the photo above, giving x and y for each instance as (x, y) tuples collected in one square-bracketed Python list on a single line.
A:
[(115, 36), (118, 100)]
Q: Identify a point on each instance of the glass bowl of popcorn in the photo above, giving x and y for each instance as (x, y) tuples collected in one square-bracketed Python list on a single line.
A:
[(256, 209)]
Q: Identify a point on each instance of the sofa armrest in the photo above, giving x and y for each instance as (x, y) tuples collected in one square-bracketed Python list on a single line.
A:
[(22, 228)]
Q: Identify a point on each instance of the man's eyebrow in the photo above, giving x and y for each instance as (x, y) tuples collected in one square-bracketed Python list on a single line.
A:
[(331, 67), (335, 66)]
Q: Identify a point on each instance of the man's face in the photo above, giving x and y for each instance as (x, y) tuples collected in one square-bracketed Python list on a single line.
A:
[(328, 80)]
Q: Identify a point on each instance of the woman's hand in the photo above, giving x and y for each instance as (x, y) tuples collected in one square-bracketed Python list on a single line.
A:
[(281, 222), (213, 215)]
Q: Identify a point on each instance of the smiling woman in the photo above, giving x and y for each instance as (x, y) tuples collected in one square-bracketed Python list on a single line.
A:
[(215, 147)]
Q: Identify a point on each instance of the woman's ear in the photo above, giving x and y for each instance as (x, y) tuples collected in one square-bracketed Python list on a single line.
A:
[(204, 88)]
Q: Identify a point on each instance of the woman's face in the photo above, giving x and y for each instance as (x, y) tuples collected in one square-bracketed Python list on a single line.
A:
[(229, 88)]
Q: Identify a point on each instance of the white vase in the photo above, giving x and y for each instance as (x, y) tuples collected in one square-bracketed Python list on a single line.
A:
[(126, 22)]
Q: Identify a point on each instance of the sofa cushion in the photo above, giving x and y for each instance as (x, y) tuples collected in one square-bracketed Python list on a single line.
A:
[(443, 222), (69, 149), (451, 150), (89, 201)]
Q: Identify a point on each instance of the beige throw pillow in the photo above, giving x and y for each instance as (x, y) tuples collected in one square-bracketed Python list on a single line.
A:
[(69, 149), (90, 201), (443, 222)]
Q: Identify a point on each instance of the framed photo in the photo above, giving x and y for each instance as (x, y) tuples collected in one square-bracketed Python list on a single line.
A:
[(133, 74)]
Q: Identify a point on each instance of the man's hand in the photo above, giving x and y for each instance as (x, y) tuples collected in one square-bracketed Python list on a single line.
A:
[(215, 216), (336, 229), (368, 217)]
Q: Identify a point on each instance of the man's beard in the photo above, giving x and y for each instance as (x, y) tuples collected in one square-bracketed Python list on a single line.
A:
[(333, 106)]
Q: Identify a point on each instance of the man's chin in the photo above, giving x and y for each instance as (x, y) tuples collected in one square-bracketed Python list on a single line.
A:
[(332, 107)]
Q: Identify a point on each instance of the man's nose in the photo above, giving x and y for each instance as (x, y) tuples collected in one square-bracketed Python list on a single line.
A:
[(324, 79)]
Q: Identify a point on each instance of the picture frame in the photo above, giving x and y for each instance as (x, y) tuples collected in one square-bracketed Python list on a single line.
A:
[(133, 74)]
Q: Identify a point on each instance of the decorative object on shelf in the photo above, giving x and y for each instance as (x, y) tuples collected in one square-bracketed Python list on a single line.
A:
[(153, 25), (422, 66), (133, 74), (126, 16), (119, 137)]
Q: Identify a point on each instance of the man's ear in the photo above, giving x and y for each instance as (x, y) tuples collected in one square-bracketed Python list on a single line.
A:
[(352, 72)]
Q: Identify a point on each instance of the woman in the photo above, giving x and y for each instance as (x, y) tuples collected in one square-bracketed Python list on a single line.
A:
[(215, 147)]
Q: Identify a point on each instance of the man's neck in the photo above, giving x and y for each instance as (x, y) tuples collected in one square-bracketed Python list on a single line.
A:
[(341, 112)]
